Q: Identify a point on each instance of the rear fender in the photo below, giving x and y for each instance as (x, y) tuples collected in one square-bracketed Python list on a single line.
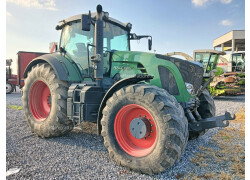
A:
[(65, 69)]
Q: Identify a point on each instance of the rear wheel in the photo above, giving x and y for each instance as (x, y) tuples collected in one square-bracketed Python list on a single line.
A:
[(9, 88), (206, 110), (44, 102), (144, 128)]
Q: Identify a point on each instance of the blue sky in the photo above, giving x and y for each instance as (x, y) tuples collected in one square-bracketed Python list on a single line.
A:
[(176, 25)]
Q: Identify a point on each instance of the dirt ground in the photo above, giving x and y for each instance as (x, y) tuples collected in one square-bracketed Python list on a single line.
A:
[(227, 151), (219, 154)]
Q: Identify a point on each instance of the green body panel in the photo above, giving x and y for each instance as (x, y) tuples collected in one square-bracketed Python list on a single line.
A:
[(72, 68), (126, 62)]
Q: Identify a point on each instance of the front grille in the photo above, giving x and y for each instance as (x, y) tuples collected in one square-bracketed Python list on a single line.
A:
[(168, 81), (190, 72)]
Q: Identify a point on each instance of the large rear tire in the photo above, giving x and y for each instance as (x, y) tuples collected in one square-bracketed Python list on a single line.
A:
[(9, 88), (44, 102), (163, 143), (206, 110)]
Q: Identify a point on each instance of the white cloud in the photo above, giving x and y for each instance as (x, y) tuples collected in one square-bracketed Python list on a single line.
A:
[(225, 1), (199, 2), (40, 4), (226, 22), (8, 13)]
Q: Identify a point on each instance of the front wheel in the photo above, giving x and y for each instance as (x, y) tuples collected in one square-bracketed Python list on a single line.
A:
[(144, 128), (44, 102), (206, 110)]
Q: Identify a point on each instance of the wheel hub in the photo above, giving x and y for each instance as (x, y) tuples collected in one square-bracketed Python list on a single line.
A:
[(40, 100), (135, 130), (140, 127)]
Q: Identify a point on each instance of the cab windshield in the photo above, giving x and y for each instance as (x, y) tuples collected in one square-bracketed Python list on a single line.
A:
[(208, 60), (75, 42), (238, 62)]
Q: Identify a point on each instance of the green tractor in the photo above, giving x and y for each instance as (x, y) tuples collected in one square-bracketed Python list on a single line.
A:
[(146, 106)]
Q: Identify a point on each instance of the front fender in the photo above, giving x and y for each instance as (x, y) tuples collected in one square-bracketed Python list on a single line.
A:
[(118, 85), (65, 69)]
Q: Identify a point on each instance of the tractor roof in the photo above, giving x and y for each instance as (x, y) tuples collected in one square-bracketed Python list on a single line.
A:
[(78, 17), (209, 51)]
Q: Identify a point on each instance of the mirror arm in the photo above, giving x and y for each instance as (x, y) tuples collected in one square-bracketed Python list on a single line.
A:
[(144, 36)]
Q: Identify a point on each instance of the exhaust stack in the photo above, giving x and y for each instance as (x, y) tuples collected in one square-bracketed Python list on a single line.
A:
[(98, 66)]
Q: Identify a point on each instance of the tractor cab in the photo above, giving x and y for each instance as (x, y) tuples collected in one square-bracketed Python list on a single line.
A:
[(238, 62), (209, 59), (78, 43)]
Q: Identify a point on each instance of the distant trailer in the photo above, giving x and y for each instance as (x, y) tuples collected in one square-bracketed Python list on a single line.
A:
[(23, 59)]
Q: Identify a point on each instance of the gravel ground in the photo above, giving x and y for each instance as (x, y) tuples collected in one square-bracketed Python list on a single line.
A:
[(82, 155)]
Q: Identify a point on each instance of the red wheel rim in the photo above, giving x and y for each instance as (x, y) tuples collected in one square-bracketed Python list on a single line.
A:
[(130, 144), (39, 100)]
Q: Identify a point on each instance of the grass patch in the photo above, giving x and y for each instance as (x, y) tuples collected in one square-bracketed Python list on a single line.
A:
[(14, 107), (229, 152)]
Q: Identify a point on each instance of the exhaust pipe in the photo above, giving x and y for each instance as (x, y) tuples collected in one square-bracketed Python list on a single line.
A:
[(98, 67)]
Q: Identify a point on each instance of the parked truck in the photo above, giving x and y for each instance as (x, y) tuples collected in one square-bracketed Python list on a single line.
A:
[(145, 105), (11, 79)]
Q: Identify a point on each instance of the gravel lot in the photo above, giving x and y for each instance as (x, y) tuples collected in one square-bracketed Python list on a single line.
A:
[(82, 155)]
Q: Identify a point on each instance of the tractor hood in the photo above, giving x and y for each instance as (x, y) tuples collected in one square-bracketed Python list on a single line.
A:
[(191, 71), (167, 71)]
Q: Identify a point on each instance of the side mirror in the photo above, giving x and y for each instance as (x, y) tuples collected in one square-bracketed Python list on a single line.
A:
[(150, 44), (86, 22)]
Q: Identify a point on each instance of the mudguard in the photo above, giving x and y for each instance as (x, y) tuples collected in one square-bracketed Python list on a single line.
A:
[(65, 69), (118, 85)]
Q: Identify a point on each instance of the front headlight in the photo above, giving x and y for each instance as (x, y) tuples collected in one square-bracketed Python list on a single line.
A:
[(190, 88)]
